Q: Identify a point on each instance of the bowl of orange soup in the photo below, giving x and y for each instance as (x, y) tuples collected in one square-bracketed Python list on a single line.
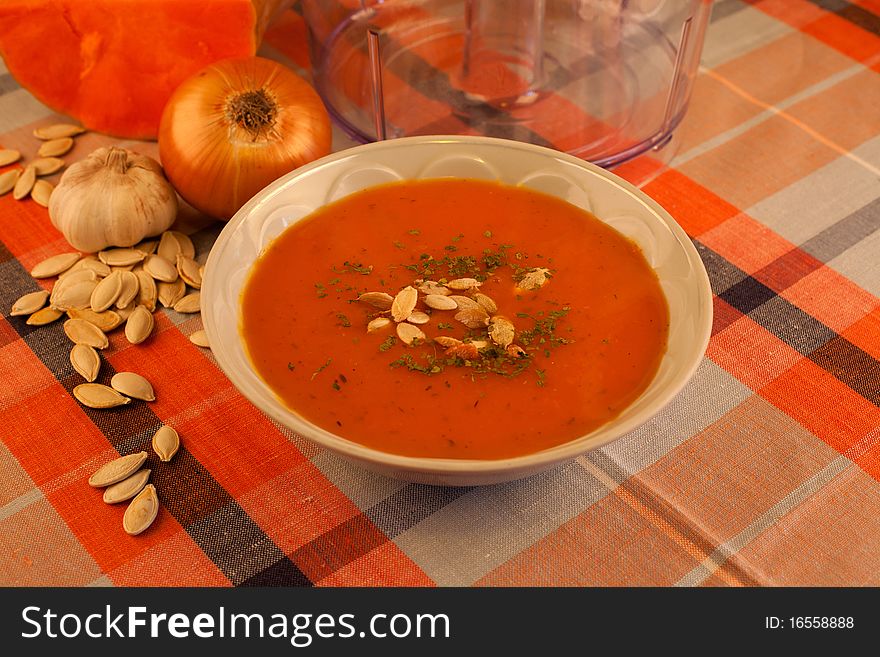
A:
[(456, 310)]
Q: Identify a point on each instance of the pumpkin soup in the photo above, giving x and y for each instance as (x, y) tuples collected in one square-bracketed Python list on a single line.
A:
[(454, 318)]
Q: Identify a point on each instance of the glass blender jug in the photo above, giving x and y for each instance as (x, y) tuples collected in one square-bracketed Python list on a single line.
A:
[(605, 80)]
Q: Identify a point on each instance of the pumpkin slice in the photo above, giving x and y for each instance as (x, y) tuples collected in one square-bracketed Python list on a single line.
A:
[(113, 64)]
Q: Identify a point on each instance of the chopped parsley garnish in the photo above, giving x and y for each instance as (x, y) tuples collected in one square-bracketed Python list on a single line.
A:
[(321, 369)]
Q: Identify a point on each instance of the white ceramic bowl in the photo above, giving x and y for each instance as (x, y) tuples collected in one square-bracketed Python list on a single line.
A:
[(613, 200)]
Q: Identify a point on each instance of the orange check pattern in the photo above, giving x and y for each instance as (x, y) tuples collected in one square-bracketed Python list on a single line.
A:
[(763, 471)]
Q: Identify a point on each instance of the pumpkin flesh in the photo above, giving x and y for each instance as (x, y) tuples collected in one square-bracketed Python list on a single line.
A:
[(113, 64)]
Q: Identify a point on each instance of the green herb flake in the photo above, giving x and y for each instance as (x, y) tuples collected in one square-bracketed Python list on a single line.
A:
[(388, 343), (321, 369), (343, 320), (414, 231), (358, 268), (541, 374)]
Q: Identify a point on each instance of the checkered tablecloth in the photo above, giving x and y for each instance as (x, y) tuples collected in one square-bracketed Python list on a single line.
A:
[(763, 471)]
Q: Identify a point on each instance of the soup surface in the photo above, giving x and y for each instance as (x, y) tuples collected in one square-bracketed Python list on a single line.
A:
[(558, 321)]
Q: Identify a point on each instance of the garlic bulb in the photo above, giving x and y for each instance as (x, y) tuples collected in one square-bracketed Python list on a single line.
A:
[(114, 197)]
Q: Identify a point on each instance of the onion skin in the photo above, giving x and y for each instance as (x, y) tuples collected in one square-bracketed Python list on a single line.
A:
[(218, 156)]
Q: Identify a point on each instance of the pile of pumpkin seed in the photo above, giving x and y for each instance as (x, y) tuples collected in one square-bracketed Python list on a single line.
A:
[(118, 287), (123, 479), (57, 141)]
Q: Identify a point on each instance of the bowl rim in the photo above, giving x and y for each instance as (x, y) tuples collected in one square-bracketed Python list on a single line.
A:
[(448, 466)]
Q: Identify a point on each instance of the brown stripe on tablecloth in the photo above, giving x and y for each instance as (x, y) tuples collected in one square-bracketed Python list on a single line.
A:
[(856, 368), (187, 489), (354, 538), (723, 274), (788, 269), (792, 325), (407, 507), (855, 14), (789, 323), (747, 295), (337, 547)]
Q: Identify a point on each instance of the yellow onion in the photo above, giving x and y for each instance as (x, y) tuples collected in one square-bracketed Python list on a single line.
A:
[(236, 126)]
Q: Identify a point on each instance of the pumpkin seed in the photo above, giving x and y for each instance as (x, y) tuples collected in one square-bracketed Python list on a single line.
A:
[(188, 269), (191, 303), (409, 333), (404, 303), (501, 331), (466, 350), (147, 293), (534, 279), (440, 302), (171, 293), (55, 147), (463, 283), (55, 265), (25, 183), (41, 192), (166, 442), (8, 179), (82, 332), (125, 313), (46, 166), (91, 263), (147, 247), (71, 277), (106, 292), (129, 290), (172, 243), (447, 341), (118, 469), (85, 361), (187, 247), (464, 302), (160, 269), (378, 324), (29, 303), (139, 325), (418, 317), (96, 395), (58, 131), (473, 317), (486, 303), (127, 488), (433, 287), (121, 257), (133, 385), (141, 511), (73, 292), (106, 321), (44, 316), (200, 338), (380, 300), (8, 156)]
